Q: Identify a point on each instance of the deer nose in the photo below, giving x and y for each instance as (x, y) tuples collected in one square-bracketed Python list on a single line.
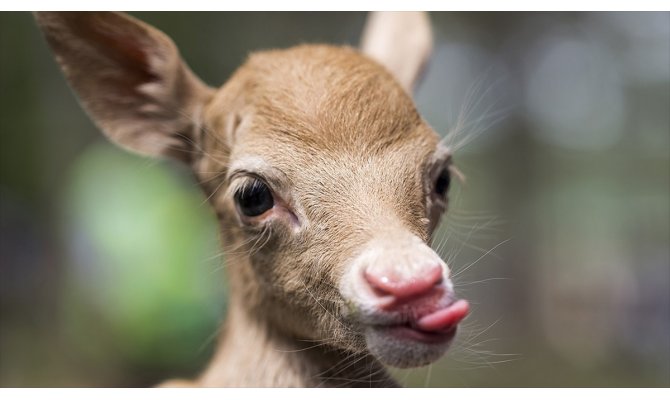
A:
[(404, 284)]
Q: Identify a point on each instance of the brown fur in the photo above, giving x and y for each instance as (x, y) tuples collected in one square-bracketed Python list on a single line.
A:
[(347, 149)]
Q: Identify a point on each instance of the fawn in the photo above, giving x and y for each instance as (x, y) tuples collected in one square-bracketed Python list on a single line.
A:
[(323, 176)]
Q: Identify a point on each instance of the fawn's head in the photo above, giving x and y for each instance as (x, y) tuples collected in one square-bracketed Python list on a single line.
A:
[(327, 182)]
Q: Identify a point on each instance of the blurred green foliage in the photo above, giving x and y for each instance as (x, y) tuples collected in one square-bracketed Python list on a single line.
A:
[(144, 297)]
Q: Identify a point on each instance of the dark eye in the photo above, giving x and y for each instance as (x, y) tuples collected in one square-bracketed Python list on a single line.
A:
[(442, 183), (254, 199)]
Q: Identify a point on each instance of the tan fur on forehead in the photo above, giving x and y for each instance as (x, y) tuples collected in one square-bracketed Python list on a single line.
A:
[(325, 97)]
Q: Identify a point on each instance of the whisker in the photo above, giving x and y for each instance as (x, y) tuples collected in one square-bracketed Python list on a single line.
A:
[(482, 256)]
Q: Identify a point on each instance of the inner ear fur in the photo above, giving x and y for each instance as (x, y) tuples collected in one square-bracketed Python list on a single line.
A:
[(130, 79)]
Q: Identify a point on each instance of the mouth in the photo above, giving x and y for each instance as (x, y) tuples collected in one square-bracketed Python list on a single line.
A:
[(436, 327), (420, 340)]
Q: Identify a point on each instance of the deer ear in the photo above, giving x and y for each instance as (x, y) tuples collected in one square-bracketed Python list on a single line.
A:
[(401, 41), (130, 79)]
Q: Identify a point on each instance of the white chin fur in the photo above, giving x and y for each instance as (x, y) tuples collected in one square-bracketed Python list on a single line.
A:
[(400, 353)]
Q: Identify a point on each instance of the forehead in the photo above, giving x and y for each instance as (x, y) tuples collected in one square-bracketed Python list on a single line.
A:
[(329, 99)]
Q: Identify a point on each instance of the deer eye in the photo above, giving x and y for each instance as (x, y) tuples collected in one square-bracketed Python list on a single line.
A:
[(254, 199), (442, 183)]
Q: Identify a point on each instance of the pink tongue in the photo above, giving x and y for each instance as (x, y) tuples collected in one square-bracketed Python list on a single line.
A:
[(444, 319)]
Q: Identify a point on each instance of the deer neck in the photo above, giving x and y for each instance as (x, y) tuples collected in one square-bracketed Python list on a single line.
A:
[(254, 353)]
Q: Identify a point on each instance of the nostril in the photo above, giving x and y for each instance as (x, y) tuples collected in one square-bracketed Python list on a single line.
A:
[(389, 281)]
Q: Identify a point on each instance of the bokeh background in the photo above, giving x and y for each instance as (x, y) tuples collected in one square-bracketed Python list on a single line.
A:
[(110, 270)]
